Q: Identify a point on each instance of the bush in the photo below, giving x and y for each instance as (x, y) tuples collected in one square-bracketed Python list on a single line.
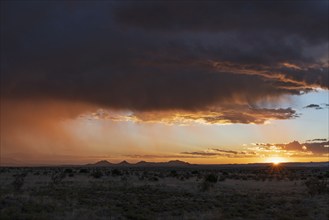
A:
[(316, 186), (18, 181), (173, 173), (195, 172), (57, 177), (225, 173), (153, 179), (97, 174), (83, 170), (116, 172), (222, 178), (326, 174), (68, 170), (208, 182), (205, 186), (211, 178)]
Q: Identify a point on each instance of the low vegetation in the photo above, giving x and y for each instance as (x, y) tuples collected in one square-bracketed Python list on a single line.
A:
[(164, 193)]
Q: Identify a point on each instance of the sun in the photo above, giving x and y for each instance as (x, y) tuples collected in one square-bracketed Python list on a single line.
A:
[(275, 160)]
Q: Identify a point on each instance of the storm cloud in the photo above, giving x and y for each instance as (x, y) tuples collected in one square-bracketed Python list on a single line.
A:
[(166, 61)]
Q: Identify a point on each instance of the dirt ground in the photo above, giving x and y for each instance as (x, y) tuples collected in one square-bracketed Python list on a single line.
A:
[(115, 193)]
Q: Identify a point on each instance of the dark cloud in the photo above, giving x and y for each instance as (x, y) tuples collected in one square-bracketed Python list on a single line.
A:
[(225, 151), (317, 147), (207, 59), (151, 156), (317, 139), (228, 16), (201, 153), (315, 106), (216, 152), (247, 32)]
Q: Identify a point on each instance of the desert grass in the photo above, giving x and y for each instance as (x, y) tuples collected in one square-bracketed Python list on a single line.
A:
[(106, 193)]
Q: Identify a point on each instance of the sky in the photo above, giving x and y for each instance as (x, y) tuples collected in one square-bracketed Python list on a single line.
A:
[(200, 81)]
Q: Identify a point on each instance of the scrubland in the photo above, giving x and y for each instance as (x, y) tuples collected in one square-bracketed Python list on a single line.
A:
[(264, 192)]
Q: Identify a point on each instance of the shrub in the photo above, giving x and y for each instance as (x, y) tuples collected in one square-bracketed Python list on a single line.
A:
[(18, 181), (211, 178), (97, 174), (68, 170), (316, 186), (195, 172), (124, 179), (208, 182), (222, 178), (225, 173), (116, 172), (83, 170), (153, 179), (57, 177), (173, 173), (205, 186), (326, 174)]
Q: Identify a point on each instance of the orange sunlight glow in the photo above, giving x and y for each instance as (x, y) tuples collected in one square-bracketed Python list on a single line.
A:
[(275, 160)]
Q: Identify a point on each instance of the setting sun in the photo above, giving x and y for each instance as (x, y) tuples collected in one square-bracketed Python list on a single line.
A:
[(275, 160)]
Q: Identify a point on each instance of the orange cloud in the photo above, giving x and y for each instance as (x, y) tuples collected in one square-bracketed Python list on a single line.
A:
[(238, 114), (312, 148)]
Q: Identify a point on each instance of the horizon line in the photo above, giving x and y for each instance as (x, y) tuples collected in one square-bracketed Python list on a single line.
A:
[(159, 162)]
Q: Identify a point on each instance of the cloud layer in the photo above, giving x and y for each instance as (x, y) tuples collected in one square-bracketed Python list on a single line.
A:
[(226, 115), (312, 148), (210, 61)]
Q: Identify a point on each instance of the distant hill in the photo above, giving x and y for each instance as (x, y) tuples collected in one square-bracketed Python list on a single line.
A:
[(177, 163), (124, 163), (102, 163), (172, 163), (307, 164)]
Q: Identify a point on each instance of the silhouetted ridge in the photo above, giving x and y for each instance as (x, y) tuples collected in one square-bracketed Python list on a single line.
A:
[(178, 163), (141, 163), (102, 163), (124, 163)]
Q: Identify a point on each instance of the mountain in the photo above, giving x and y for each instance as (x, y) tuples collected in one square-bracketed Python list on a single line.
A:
[(143, 163), (124, 163), (177, 163), (172, 163), (102, 163)]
